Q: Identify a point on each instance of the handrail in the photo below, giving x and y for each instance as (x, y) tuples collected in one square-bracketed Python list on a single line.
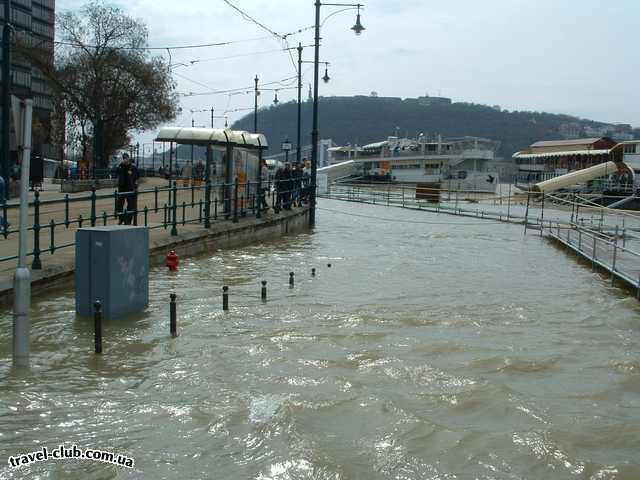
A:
[(226, 201)]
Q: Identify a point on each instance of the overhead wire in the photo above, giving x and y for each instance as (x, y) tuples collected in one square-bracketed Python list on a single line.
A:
[(175, 47), (280, 37), (247, 89)]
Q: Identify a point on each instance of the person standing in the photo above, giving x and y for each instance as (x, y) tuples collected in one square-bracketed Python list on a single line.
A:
[(306, 181), (3, 198), (287, 182), (279, 188), (264, 185), (127, 190)]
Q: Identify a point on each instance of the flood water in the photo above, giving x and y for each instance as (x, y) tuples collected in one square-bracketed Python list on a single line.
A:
[(435, 347)]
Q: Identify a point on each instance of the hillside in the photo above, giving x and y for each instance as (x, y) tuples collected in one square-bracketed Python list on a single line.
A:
[(361, 120)]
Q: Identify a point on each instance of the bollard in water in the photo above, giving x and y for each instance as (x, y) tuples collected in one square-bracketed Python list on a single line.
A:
[(264, 291), (97, 326), (225, 298), (173, 327), (291, 281), (313, 272)]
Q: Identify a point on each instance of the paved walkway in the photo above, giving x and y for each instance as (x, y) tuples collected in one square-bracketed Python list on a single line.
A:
[(62, 262)]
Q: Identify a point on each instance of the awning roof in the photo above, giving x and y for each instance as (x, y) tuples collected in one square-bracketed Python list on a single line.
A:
[(372, 146), (214, 136), (343, 149), (557, 143), (561, 154)]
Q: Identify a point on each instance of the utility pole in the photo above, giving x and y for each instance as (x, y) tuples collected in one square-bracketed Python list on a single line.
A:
[(314, 131), (6, 93), (255, 107), (211, 117), (299, 101)]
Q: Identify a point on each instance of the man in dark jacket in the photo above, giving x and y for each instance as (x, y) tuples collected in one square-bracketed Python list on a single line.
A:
[(127, 174), (287, 183)]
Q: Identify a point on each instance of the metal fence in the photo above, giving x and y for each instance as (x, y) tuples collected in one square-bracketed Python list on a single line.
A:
[(181, 202)]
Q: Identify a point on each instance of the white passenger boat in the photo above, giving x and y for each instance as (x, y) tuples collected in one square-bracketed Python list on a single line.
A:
[(461, 164)]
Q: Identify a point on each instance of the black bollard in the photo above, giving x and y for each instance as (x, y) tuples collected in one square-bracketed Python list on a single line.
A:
[(173, 327), (225, 298), (313, 272), (264, 290), (97, 326), (290, 279), (329, 265)]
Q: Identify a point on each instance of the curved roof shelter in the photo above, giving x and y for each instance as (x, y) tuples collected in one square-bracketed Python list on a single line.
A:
[(212, 136)]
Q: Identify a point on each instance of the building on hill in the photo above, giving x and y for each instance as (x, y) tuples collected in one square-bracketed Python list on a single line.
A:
[(571, 130), (427, 101), (548, 159), (616, 131)]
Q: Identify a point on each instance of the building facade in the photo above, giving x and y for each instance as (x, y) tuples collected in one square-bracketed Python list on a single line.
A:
[(33, 22), (548, 159)]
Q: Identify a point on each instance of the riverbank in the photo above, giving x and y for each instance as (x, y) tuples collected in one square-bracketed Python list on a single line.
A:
[(59, 268)]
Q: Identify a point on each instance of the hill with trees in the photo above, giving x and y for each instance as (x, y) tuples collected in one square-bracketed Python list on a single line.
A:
[(362, 119)]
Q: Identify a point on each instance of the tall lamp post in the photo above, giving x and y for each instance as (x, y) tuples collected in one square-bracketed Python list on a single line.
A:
[(358, 29), (299, 102)]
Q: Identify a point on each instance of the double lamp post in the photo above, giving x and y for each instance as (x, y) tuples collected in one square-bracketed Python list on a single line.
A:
[(357, 29)]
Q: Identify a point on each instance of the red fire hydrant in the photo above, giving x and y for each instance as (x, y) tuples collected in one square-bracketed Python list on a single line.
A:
[(172, 261)]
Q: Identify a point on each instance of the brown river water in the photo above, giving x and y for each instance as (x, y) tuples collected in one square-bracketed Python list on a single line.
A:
[(435, 347)]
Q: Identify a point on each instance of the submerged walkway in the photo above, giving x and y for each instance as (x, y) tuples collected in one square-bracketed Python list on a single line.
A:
[(605, 243), (602, 251)]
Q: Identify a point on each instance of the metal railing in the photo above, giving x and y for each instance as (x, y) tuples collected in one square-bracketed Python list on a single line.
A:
[(607, 252), (405, 196), (161, 207)]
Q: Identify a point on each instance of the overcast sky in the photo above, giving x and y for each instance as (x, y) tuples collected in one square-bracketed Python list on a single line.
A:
[(563, 56)]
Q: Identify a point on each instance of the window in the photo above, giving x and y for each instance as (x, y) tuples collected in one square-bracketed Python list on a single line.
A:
[(19, 77), (630, 148), (47, 3), (42, 13), (42, 29), (405, 166)]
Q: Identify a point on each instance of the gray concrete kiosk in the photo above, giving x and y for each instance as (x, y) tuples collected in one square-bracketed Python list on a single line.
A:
[(112, 266)]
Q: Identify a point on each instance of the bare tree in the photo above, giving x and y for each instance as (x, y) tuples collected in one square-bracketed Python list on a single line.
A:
[(105, 76)]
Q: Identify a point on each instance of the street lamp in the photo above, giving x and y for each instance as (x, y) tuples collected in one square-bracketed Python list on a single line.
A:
[(326, 77), (358, 29)]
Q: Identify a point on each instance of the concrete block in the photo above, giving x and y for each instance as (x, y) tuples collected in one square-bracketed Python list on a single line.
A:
[(112, 265)]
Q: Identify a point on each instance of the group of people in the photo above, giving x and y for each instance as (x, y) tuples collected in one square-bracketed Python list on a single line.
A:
[(291, 185), (195, 171)]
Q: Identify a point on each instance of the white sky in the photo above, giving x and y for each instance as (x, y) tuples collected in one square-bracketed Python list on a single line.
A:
[(562, 56)]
